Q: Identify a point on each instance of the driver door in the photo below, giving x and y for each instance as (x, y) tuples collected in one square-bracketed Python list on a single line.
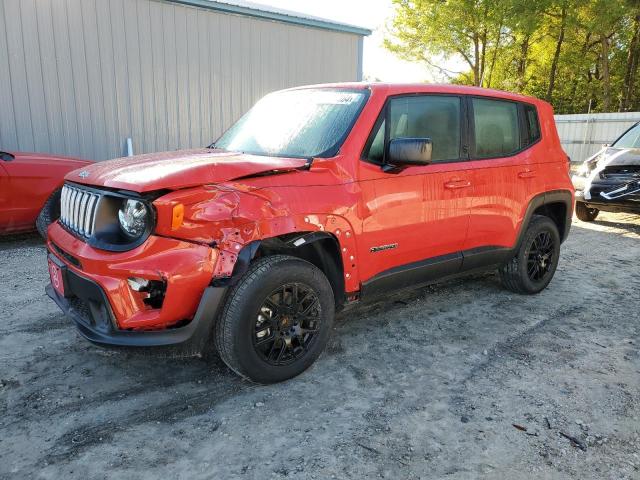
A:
[(415, 219)]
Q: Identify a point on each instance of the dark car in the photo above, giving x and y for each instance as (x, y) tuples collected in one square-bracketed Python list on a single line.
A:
[(610, 179)]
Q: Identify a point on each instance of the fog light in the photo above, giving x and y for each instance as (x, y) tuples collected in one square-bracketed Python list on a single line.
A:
[(138, 284), (151, 291)]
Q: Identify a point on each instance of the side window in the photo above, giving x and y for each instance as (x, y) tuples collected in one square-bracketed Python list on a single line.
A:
[(421, 116), (376, 150), (497, 132), (532, 133)]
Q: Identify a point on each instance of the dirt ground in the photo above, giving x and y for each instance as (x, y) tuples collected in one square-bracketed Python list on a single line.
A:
[(460, 380)]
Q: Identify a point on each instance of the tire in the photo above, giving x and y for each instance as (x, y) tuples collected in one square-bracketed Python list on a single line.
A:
[(517, 275), (50, 213), (585, 213), (259, 316)]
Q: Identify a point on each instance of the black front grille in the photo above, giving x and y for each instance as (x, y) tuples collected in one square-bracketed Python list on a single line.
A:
[(81, 308), (88, 302), (624, 173)]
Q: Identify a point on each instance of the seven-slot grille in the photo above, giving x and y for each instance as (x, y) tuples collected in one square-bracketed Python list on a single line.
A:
[(78, 209)]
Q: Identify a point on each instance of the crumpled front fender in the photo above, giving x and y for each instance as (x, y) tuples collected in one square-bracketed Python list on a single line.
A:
[(232, 217)]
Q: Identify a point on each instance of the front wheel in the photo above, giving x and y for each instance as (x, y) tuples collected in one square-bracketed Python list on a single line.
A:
[(536, 260), (585, 213), (276, 321), (50, 213)]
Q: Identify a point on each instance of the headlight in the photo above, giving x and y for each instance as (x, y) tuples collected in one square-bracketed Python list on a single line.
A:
[(584, 170), (133, 215)]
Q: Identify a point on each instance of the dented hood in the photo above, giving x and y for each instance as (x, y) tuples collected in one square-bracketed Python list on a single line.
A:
[(621, 156), (179, 169)]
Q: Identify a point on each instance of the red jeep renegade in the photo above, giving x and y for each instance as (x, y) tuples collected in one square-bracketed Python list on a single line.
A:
[(316, 198)]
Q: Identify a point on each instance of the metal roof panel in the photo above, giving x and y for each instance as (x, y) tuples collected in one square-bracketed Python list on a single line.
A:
[(241, 7)]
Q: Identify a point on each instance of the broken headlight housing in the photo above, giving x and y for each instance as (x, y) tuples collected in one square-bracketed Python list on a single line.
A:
[(584, 170)]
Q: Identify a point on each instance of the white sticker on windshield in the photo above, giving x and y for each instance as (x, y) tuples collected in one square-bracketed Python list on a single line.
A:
[(335, 98)]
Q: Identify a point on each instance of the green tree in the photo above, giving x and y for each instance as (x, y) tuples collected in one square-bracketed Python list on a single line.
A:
[(468, 28), (575, 53), (633, 54)]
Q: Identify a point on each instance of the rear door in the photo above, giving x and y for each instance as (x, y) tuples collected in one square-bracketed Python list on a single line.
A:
[(419, 212), (504, 173)]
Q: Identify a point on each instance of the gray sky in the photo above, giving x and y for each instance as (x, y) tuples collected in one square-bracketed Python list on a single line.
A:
[(373, 14)]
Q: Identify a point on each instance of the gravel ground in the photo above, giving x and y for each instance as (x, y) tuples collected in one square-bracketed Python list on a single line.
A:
[(460, 380)]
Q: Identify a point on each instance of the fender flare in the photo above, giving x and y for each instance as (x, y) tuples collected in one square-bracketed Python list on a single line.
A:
[(307, 227), (547, 198), (249, 251)]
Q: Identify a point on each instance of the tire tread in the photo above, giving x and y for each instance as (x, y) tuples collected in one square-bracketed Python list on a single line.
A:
[(45, 217), (224, 328), (585, 213), (510, 273)]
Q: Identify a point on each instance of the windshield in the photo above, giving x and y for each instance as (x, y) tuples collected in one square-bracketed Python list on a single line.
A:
[(296, 123), (631, 139)]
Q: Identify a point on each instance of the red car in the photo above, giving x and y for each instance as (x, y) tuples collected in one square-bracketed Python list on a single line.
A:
[(317, 198), (30, 186)]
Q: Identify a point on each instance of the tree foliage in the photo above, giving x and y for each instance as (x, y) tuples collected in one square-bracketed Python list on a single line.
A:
[(577, 54)]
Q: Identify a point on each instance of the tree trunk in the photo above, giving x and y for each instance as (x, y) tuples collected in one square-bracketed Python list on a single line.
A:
[(483, 57), (606, 77), (522, 62), (556, 55), (632, 67), (495, 54), (576, 77), (476, 65)]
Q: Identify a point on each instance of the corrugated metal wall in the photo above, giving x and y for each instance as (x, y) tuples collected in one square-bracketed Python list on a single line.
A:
[(78, 77), (584, 134)]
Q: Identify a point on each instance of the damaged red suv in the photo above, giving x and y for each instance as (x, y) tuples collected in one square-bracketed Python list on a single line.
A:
[(317, 198)]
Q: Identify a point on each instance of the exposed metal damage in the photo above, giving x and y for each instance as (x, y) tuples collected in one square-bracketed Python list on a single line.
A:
[(609, 181)]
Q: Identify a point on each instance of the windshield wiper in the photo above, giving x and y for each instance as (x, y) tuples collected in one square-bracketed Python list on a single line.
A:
[(214, 146)]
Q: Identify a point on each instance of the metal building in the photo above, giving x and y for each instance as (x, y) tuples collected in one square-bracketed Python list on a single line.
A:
[(79, 77)]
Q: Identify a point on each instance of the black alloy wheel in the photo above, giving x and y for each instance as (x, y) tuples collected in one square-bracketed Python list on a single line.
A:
[(540, 258), (287, 324), (276, 320), (535, 261)]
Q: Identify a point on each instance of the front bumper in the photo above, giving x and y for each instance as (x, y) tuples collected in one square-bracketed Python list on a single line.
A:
[(108, 311), (625, 203), (90, 311)]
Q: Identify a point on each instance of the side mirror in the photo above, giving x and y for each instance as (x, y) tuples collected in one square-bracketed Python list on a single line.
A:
[(410, 151)]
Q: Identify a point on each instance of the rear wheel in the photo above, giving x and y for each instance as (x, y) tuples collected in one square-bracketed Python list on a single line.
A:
[(50, 213), (585, 213), (276, 320), (535, 263)]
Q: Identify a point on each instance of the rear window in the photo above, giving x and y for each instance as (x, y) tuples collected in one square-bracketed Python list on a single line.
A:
[(496, 127)]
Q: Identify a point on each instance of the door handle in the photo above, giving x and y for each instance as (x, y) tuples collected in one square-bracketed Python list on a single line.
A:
[(527, 173), (455, 183)]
